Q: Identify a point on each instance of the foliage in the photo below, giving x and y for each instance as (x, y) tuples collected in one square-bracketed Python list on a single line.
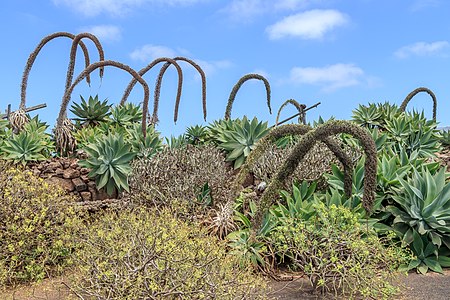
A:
[(143, 146), (175, 142), (154, 255), (31, 144), (196, 134), (36, 223), (125, 115), (109, 160), (241, 138), (91, 112)]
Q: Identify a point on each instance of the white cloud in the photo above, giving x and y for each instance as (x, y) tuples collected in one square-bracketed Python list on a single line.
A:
[(246, 10), (108, 33), (313, 24), (93, 8), (148, 53), (331, 77), (419, 5), (423, 49)]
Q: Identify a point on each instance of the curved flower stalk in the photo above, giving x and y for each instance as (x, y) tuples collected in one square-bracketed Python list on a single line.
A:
[(300, 109), (238, 85), (90, 69), (157, 88), (415, 92), (200, 71), (73, 54), (305, 144), (35, 53), (294, 129)]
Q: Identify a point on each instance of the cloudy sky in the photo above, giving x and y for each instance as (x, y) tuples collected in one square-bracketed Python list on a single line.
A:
[(339, 52)]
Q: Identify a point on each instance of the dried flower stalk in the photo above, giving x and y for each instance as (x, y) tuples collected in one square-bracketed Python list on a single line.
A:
[(202, 75), (73, 54), (305, 144), (90, 69), (415, 92), (35, 53), (157, 88), (300, 109), (238, 85)]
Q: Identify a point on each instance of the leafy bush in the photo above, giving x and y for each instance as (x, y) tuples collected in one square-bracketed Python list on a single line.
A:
[(147, 255), (35, 227)]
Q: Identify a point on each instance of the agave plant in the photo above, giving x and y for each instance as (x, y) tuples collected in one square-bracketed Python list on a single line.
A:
[(241, 139), (109, 160), (91, 112), (175, 142), (31, 144), (125, 115), (423, 205), (144, 146), (196, 134)]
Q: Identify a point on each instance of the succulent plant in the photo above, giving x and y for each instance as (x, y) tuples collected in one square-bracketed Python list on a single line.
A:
[(196, 134), (144, 146), (91, 112), (305, 144), (300, 108), (125, 115), (157, 88), (415, 92), (64, 137), (17, 120), (241, 138), (199, 70), (238, 85), (109, 160), (176, 142)]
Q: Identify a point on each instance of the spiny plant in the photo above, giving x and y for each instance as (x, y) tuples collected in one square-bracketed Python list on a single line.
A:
[(158, 86), (73, 54), (200, 71), (125, 115), (35, 53), (305, 144), (238, 85), (66, 99), (300, 109), (91, 112), (294, 129), (415, 92)]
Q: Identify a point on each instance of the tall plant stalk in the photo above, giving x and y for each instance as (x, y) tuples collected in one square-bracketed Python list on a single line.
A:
[(199, 70), (158, 86), (294, 129), (90, 69), (301, 149), (300, 109), (415, 92), (73, 54), (238, 85), (34, 54)]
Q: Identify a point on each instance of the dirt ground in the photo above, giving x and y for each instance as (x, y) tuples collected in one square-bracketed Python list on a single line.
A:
[(431, 286)]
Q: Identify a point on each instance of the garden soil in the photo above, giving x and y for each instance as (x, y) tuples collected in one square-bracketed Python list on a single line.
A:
[(431, 286)]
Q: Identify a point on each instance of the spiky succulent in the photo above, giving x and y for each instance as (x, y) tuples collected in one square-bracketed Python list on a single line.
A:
[(125, 115), (196, 134), (109, 160), (91, 112), (238, 85)]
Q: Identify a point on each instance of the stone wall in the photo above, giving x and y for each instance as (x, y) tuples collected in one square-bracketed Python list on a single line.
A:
[(71, 177)]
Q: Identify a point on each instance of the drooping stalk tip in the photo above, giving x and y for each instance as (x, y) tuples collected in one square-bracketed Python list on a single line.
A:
[(300, 109), (305, 144), (142, 72), (415, 92), (238, 85)]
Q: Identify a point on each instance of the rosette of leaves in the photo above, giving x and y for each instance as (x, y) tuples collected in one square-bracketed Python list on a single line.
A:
[(176, 142), (445, 138), (240, 139), (422, 204), (125, 115), (197, 134), (31, 144), (144, 146), (109, 160), (375, 115), (91, 112)]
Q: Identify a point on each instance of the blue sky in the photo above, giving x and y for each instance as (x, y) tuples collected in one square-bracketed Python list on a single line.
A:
[(339, 52)]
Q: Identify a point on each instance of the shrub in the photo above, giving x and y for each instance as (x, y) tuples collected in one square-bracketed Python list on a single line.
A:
[(180, 174), (34, 228), (145, 255)]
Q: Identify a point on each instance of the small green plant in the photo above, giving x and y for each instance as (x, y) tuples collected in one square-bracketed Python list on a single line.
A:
[(196, 134), (109, 160), (125, 115), (91, 112)]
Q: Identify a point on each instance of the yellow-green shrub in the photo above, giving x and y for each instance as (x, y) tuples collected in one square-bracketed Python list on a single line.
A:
[(142, 254), (34, 226)]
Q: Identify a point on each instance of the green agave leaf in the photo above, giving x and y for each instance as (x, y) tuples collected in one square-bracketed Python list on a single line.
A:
[(433, 264)]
